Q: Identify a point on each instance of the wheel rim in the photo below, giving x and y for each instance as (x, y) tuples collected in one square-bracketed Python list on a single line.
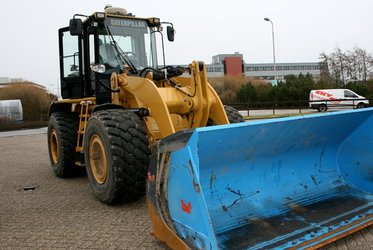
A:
[(97, 159), (54, 145)]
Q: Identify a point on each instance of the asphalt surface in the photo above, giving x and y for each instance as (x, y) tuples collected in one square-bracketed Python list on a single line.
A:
[(40, 211)]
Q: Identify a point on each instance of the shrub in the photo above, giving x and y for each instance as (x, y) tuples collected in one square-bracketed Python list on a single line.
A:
[(246, 93), (227, 86), (35, 100)]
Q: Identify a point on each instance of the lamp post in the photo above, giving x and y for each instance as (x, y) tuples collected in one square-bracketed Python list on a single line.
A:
[(273, 44)]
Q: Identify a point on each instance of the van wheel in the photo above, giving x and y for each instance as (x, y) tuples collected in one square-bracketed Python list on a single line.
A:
[(360, 105), (322, 108)]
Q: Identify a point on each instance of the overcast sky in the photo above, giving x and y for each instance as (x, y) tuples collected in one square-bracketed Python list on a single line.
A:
[(303, 30)]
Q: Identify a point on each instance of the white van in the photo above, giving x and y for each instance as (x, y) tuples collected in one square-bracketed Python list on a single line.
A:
[(323, 99)]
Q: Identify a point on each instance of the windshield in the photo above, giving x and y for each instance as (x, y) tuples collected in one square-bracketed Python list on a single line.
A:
[(126, 41)]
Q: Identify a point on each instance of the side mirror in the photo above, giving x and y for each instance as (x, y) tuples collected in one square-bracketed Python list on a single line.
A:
[(75, 27), (170, 33)]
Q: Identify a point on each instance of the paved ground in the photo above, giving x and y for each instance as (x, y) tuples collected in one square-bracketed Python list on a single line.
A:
[(63, 213)]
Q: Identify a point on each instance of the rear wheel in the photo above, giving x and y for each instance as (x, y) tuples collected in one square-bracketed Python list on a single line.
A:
[(233, 115), (322, 108), (62, 137), (117, 155)]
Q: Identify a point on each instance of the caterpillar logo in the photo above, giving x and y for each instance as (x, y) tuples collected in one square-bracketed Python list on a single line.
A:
[(128, 23)]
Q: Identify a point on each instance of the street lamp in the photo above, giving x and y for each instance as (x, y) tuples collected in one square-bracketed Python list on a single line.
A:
[(273, 44)]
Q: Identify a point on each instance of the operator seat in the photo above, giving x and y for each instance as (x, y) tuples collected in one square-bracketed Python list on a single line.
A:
[(108, 55)]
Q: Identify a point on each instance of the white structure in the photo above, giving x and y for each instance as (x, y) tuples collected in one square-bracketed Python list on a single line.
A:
[(11, 110)]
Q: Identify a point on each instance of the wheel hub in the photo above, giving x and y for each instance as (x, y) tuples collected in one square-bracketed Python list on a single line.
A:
[(98, 160), (54, 145)]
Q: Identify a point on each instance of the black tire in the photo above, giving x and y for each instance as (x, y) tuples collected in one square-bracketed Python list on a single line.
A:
[(322, 108), (360, 105), (117, 155), (233, 115), (62, 138)]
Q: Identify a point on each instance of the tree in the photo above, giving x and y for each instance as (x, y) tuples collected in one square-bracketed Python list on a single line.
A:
[(348, 66), (246, 93), (295, 87)]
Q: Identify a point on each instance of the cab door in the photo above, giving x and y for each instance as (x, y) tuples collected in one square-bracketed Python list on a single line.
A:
[(70, 65)]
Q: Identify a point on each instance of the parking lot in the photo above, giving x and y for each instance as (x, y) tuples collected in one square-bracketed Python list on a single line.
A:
[(41, 211)]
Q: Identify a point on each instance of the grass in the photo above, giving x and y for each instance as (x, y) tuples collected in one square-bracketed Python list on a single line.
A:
[(8, 126), (260, 117)]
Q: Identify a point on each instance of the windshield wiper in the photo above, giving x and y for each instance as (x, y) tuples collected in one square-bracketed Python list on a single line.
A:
[(121, 55)]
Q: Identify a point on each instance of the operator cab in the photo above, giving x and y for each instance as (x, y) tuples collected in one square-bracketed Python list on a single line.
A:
[(105, 42)]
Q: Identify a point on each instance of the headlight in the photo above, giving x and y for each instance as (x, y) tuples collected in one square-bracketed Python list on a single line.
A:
[(100, 15), (154, 21)]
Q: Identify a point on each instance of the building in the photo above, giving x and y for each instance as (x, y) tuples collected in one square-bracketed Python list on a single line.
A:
[(219, 59), (263, 71), (7, 80)]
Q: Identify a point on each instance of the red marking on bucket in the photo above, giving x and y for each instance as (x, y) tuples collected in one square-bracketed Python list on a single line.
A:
[(186, 208)]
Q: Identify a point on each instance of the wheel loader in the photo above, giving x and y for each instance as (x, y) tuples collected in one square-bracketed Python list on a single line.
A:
[(136, 125), (118, 101)]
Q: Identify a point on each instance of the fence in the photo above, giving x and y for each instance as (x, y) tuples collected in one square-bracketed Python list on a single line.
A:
[(279, 107)]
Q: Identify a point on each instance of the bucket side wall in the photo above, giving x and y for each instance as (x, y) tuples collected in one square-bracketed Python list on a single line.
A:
[(355, 157), (253, 171)]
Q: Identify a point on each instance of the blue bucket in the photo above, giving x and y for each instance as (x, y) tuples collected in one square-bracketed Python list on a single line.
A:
[(272, 184)]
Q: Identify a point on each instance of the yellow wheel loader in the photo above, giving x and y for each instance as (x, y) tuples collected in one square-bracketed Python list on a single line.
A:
[(118, 101), (290, 183)]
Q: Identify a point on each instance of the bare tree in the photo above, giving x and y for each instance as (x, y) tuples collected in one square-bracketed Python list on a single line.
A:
[(348, 66)]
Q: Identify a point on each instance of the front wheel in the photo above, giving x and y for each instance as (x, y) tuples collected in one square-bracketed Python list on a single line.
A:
[(116, 154), (360, 105)]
